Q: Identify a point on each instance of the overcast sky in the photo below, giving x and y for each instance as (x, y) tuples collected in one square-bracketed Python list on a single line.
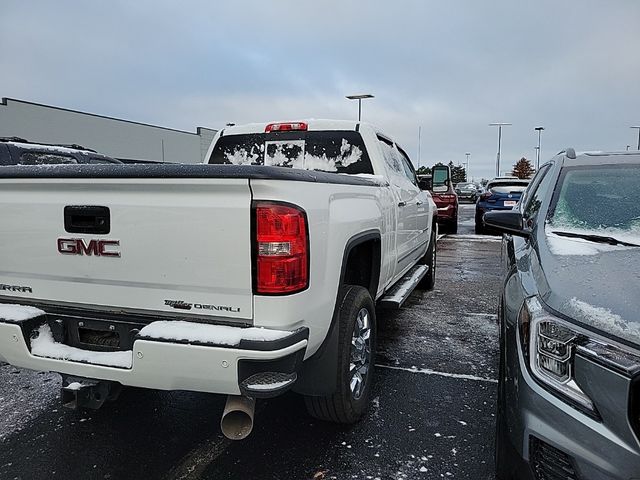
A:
[(451, 67)]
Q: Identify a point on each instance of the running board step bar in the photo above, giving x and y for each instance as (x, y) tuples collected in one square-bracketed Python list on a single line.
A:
[(399, 293)]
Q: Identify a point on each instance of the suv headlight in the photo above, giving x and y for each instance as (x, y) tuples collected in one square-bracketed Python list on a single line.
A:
[(549, 344)]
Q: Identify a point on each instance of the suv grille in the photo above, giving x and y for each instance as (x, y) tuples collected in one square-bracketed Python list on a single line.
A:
[(549, 463)]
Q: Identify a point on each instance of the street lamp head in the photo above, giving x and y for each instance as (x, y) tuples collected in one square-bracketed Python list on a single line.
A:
[(359, 97), (499, 124), (539, 128)]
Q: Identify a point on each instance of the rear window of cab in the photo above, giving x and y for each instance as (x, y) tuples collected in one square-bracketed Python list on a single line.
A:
[(325, 151)]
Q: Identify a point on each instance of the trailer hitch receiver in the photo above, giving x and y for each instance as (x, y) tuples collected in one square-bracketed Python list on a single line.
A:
[(78, 392)]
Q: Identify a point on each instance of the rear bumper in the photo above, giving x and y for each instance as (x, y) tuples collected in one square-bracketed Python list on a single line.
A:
[(447, 212), (166, 365)]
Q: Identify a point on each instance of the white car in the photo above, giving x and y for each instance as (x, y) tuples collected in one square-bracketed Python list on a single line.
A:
[(248, 276)]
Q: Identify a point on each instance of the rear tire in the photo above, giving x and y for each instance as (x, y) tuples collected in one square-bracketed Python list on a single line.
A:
[(356, 358), (479, 225), (453, 226), (430, 259)]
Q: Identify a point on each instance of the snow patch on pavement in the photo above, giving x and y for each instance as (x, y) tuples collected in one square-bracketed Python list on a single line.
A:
[(428, 371)]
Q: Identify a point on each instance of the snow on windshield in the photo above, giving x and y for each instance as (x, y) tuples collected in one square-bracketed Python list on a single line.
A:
[(560, 245), (599, 201)]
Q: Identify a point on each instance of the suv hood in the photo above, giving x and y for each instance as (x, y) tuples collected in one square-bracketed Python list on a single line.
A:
[(595, 284)]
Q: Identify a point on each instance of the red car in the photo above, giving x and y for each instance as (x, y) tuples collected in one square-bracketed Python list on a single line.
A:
[(444, 196)]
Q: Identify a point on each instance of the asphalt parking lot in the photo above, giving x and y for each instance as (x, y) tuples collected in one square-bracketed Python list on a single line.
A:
[(432, 414)]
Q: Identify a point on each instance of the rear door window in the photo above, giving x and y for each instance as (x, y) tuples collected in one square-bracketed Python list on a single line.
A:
[(325, 151), (408, 167)]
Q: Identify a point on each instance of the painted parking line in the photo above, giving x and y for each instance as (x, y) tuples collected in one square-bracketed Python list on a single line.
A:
[(428, 371)]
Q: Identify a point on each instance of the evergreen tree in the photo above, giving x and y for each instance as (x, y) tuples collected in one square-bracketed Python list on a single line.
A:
[(423, 171), (523, 169), (458, 173)]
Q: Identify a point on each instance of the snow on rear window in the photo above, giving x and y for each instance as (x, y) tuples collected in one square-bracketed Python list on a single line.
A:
[(327, 151)]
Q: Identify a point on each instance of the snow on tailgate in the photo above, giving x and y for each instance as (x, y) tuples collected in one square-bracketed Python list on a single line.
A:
[(18, 313), (205, 333), (45, 346)]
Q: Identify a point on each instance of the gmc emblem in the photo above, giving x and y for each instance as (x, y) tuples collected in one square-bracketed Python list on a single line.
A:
[(97, 248)]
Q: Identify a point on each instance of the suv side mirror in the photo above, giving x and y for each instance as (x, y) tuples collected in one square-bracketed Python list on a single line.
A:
[(507, 221)]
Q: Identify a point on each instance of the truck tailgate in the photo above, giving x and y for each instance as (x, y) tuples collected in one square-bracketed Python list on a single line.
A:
[(178, 245)]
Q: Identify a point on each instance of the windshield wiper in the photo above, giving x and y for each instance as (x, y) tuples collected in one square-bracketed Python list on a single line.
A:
[(595, 238)]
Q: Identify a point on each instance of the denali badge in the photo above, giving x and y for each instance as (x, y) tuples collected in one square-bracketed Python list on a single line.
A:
[(182, 305), (178, 304), (97, 248), (15, 288)]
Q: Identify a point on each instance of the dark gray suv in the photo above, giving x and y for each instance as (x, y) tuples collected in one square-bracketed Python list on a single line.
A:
[(569, 381)]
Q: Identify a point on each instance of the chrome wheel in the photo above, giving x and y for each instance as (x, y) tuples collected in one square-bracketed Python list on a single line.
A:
[(360, 353)]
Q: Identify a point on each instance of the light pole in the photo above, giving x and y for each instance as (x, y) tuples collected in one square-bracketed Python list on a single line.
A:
[(468, 154), (359, 98), (539, 130), (638, 136), (499, 125)]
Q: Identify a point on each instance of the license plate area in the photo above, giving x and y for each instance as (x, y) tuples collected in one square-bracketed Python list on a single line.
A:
[(98, 335), (510, 203)]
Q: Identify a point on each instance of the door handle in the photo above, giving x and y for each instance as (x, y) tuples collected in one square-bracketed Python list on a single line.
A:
[(402, 204)]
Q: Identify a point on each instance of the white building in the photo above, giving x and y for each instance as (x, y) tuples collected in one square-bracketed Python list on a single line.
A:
[(115, 137)]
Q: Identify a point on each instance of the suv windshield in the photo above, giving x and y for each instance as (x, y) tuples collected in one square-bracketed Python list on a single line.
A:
[(327, 151), (600, 200)]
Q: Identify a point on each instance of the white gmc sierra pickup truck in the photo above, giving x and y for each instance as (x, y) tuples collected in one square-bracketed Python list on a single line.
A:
[(256, 273)]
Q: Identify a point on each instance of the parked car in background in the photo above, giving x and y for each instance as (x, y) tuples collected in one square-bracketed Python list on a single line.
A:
[(502, 193), (569, 374), (467, 191), (445, 197), (18, 151)]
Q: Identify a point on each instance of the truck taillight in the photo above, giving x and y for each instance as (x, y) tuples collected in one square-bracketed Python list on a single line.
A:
[(281, 253)]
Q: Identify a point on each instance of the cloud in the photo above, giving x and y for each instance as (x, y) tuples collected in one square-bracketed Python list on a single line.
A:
[(450, 67)]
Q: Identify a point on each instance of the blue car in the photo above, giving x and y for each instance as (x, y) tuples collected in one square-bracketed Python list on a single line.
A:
[(501, 194)]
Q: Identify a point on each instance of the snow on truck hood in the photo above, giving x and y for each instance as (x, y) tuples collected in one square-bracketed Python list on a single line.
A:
[(596, 284)]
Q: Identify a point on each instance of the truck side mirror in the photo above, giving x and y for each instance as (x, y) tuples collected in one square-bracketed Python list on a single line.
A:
[(441, 176)]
